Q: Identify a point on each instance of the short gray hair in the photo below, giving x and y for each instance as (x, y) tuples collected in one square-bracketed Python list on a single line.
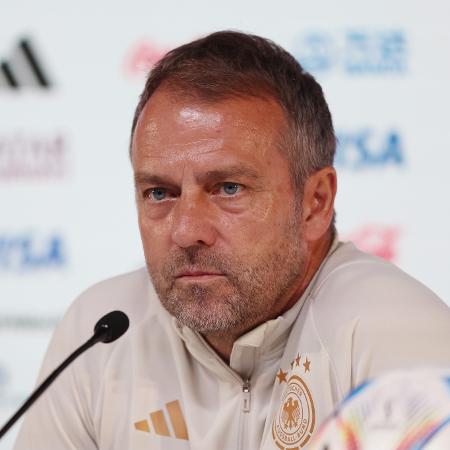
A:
[(229, 64)]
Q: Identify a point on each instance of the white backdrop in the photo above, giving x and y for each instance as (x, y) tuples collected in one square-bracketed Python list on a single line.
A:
[(67, 214)]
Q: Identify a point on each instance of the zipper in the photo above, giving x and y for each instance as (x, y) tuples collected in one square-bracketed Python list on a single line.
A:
[(244, 415), (246, 388), (246, 396), (246, 393)]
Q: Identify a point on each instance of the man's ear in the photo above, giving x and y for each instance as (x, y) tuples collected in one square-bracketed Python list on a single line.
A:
[(318, 203)]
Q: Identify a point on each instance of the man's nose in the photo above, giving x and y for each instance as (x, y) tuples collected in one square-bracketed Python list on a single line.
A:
[(192, 222)]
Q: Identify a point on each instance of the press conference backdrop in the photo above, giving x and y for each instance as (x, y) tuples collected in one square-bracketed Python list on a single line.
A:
[(70, 77)]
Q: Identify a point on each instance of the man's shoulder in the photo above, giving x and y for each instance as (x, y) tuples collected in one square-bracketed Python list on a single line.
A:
[(124, 289), (357, 283), (131, 293), (374, 317)]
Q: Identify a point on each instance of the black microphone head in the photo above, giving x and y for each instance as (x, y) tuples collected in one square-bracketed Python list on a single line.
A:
[(111, 326)]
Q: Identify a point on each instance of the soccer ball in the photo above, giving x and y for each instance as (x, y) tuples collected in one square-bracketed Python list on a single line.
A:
[(403, 410)]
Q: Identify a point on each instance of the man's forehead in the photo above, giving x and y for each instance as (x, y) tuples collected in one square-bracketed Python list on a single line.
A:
[(193, 112), (188, 127), (186, 114), (198, 117), (175, 152), (177, 122)]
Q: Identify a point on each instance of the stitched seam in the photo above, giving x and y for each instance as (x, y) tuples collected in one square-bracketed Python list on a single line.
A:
[(330, 359)]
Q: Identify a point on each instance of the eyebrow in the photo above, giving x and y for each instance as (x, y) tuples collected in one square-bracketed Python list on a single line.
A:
[(229, 172), (217, 174), (147, 178)]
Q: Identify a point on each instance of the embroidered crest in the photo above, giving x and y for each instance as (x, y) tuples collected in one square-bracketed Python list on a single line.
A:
[(294, 422)]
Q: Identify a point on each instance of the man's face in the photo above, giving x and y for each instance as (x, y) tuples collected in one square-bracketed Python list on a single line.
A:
[(218, 214)]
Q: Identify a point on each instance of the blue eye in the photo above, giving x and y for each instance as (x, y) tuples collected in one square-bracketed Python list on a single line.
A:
[(231, 188), (157, 194)]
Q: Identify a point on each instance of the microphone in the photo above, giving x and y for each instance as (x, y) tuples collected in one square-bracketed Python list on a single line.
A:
[(109, 328)]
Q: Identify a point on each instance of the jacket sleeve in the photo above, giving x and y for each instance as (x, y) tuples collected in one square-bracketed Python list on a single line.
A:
[(70, 414), (374, 318), (405, 326)]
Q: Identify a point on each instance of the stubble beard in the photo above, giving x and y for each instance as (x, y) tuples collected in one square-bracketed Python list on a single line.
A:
[(248, 294)]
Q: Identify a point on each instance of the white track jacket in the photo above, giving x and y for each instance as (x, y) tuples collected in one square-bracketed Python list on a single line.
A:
[(161, 387)]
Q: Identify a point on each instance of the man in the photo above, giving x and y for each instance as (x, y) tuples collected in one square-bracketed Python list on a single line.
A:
[(257, 320)]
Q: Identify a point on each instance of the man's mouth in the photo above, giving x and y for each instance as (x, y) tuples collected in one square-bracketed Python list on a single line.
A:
[(198, 275)]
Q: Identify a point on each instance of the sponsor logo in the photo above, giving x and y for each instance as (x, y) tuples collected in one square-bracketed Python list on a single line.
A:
[(29, 252), (367, 148), (23, 68), (294, 423), (159, 423), (379, 240), (141, 57), (33, 156), (353, 52)]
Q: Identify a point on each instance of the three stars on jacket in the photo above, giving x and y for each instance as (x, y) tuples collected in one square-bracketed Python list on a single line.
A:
[(282, 375)]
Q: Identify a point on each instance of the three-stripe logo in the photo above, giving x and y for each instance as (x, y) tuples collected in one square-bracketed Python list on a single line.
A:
[(23, 68), (160, 426)]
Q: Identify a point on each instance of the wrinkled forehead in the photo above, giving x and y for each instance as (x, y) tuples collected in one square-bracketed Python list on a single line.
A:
[(169, 121)]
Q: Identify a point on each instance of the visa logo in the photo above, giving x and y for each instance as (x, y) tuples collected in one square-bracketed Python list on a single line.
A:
[(366, 148), (25, 252), (353, 52)]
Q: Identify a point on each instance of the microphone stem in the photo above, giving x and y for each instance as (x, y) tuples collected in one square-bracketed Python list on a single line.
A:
[(48, 381)]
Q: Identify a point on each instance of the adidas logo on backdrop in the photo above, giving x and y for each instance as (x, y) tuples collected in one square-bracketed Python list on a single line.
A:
[(23, 69)]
